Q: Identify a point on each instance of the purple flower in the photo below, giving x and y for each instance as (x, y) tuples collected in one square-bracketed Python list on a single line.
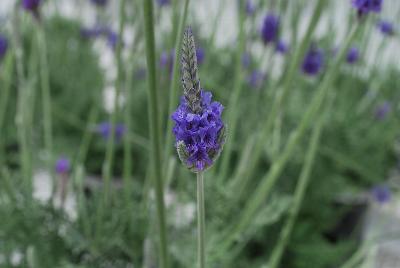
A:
[(104, 129), (382, 110), (163, 2), (94, 32), (3, 46), (281, 47), (256, 78), (167, 60), (270, 28), (100, 3), (381, 194), (386, 27), (366, 6), (31, 6), (313, 61), (352, 55), (200, 55), (112, 39), (62, 166), (250, 7), (246, 59), (199, 132)]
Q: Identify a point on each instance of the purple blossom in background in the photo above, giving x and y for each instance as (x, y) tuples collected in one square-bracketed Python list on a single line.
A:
[(255, 79), (167, 60), (352, 55), (94, 32), (281, 47), (382, 110), (3, 46), (31, 6), (246, 59), (381, 194), (366, 6), (163, 2), (104, 129), (313, 61), (62, 166), (112, 39), (250, 7), (100, 3), (200, 55), (270, 28), (386, 27), (199, 131)]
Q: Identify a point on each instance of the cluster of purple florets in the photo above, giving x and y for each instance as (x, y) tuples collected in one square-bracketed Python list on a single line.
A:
[(31, 5), (270, 28), (100, 3), (101, 31), (367, 6), (3, 46), (313, 61), (200, 132)]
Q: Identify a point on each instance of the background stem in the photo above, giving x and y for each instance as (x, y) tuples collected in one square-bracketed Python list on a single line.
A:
[(155, 135)]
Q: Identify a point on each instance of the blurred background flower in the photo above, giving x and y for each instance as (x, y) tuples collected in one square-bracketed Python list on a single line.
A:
[(313, 61)]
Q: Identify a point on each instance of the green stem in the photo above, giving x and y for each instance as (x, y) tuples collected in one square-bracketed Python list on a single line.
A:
[(21, 114), (109, 157), (87, 136), (282, 94), (356, 258), (301, 188), (5, 93), (268, 181), (201, 221), (173, 100), (155, 137), (46, 106), (235, 96)]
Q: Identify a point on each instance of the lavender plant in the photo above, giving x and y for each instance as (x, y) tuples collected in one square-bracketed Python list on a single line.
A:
[(199, 130)]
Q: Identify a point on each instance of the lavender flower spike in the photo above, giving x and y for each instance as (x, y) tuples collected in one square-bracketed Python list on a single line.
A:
[(3, 46), (62, 165), (386, 27), (367, 6), (199, 130)]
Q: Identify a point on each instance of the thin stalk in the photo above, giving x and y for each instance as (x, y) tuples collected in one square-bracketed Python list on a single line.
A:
[(215, 23), (233, 113), (109, 157), (301, 188), (46, 106), (200, 221), (282, 94), (21, 114), (87, 136), (5, 93), (155, 135), (268, 181), (173, 100)]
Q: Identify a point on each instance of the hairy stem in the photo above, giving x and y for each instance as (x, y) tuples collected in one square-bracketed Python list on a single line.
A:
[(200, 221)]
